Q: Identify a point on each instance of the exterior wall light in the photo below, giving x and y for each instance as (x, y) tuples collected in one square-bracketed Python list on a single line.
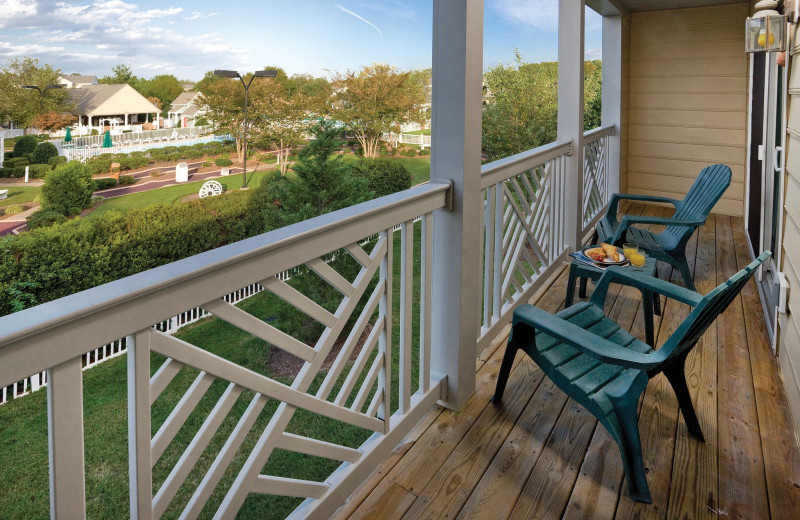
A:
[(766, 30)]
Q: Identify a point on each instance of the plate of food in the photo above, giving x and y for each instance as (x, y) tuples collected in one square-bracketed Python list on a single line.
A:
[(605, 254)]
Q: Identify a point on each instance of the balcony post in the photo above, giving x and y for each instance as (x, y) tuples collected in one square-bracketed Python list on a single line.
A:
[(570, 109), (456, 158), (139, 460), (612, 95)]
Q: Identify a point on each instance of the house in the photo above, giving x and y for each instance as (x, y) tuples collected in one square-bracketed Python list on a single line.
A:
[(110, 105), (679, 93), (184, 110), (77, 81)]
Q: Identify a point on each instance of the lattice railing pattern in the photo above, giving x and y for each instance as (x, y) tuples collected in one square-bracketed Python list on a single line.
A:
[(595, 193), (346, 378), (523, 236)]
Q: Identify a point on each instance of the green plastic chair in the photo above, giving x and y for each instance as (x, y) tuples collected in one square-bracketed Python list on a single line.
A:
[(606, 369), (669, 245)]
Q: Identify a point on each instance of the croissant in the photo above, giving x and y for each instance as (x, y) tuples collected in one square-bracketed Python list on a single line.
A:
[(611, 252)]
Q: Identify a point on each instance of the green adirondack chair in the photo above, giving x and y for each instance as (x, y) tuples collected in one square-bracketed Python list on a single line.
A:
[(669, 245), (606, 369)]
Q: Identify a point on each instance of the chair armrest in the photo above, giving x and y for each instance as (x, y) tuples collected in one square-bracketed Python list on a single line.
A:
[(616, 197), (629, 220), (617, 274), (583, 340)]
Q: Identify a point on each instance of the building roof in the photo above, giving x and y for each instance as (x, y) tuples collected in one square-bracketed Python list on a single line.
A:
[(110, 100), (85, 80), (185, 98)]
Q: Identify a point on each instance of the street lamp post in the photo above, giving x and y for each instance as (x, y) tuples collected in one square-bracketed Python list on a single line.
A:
[(256, 74), (41, 92)]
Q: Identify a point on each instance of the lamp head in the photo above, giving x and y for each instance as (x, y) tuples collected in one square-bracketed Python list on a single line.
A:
[(30, 87), (53, 86), (271, 73), (226, 73)]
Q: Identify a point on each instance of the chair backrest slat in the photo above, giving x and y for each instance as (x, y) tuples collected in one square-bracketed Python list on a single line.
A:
[(707, 189), (711, 306)]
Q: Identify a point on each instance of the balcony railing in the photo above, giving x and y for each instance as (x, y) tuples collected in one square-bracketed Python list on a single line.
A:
[(380, 380)]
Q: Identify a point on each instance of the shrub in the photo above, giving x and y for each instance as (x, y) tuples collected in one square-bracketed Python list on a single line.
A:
[(46, 217), (385, 176), (425, 151), (55, 161), (192, 153), (206, 164), (17, 161), (6, 172), (132, 162), (104, 183), (69, 186), (99, 163), (410, 152), (125, 180), (94, 132), (18, 172), (223, 162), (38, 171), (44, 152), (201, 121), (15, 209), (25, 144)]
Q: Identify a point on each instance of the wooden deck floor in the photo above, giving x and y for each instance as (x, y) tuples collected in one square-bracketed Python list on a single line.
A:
[(540, 455)]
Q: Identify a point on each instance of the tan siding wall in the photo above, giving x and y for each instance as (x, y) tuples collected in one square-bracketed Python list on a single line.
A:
[(789, 333), (687, 101), (624, 112)]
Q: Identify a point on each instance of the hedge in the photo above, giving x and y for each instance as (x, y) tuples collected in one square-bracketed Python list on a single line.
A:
[(44, 152), (385, 176), (104, 183), (63, 259), (38, 171), (69, 187), (25, 144)]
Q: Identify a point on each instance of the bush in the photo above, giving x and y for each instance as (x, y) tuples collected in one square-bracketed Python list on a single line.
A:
[(38, 171), (222, 162), (104, 183), (14, 209), (18, 172), (425, 151), (206, 164), (46, 217), (17, 161), (44, 152), (25, 144), (385, 176), (69, 186), (55, 161), (410, 152), (99, 163), (6, 172), (125, 180), (132, 162), (201, 121)]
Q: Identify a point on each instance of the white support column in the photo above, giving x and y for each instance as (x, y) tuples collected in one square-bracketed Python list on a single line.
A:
[(65, 440), (612, 94), (139, 460), (2, 150), (456, 157), (570, 109)]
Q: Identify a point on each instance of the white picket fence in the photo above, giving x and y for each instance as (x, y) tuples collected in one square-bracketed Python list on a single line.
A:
[(14, 132), (81, 154), (417, 139)]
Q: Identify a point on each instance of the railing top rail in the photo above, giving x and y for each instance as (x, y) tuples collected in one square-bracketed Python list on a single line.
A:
[(502, 169), (44, 336), (598, 133)]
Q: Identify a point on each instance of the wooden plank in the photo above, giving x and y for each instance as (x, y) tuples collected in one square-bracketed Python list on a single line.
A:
[(453, 483), (699, 102), (678, 184), (692, 152), (694, 491), (686, 33), (690, 16), (709, 136), (742, 486), (780, 450), (679, 167), (688, 50), (734, 119), (696, 84)]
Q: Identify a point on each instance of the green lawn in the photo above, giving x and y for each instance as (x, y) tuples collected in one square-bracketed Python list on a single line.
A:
[(417, 132), (23, 425), (20, 195), (169, 194)]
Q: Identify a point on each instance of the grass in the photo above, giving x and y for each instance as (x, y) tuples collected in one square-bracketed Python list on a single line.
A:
[(168, 195), (23, 424), (20, 194), (417, 132)]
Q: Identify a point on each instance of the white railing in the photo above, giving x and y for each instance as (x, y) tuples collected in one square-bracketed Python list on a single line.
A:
[(596, 172), (55, 337), (525, 240), (403, 138), (14, 132), (81, 154), (133, 137)]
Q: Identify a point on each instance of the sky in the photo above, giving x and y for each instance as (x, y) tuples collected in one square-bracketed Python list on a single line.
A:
[(318, 37)]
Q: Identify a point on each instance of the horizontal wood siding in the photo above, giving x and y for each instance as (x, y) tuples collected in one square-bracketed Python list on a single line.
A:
[(687, 100), (624, 112)]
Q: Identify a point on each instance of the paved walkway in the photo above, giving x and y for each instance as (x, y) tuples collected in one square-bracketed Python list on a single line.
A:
[(144, 182)]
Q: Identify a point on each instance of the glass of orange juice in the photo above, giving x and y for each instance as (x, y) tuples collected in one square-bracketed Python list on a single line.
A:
[(629, 249), (637, 259)]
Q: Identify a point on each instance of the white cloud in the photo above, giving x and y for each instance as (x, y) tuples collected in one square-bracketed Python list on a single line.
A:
[(593, 54), (12, 49), (197, 15), (351, 13), (14, 9), (541, 14), (394, 9)]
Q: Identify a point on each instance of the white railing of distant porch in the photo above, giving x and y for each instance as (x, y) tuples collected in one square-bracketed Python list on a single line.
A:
[(54, 337), (81, 154), (133, 137)]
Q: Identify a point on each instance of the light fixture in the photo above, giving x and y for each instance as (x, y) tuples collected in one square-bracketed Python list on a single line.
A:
[(766, 30)]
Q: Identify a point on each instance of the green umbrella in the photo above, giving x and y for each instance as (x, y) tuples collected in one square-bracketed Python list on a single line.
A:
[(107, 140), (68, 137)]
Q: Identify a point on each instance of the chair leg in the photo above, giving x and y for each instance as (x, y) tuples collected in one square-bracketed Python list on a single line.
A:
[(683, 266), (630, 448), (677, 379), (571, 285), (505, 366)]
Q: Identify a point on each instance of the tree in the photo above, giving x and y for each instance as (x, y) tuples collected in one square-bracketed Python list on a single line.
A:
[(68, 188), (120, 74), (23, 105), (375, 100), (283, 115), (165, 87), (521, 110), (52, 121)]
